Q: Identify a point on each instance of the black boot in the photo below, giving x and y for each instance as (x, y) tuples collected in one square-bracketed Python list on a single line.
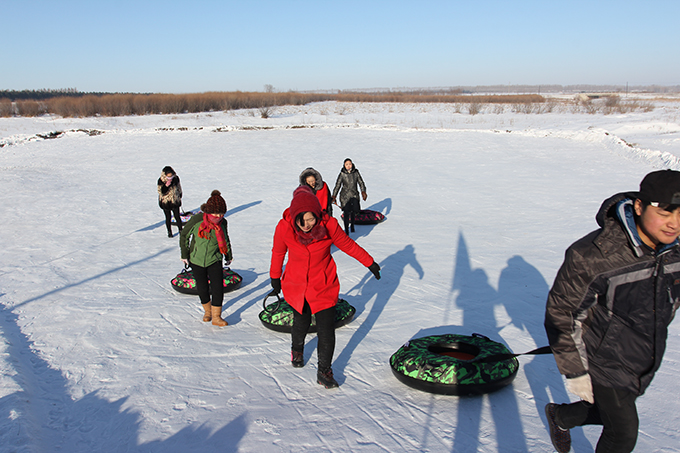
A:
[(325, 378), (169, 234), (297, 358)]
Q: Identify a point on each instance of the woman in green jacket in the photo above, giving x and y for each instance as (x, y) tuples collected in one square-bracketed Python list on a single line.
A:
[(203, 242)]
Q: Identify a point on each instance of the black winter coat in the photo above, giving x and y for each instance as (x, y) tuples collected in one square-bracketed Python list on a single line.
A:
[(348, 180), (612, 301)]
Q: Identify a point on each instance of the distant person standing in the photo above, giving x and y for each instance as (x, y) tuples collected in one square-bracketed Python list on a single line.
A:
[(347, 182), (608, 311), (170, 197), (313, 179)]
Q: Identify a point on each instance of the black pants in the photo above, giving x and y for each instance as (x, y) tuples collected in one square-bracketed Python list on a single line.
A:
[(325, 332), (168, 219), (614, 409), (216, 285), (350, 211)]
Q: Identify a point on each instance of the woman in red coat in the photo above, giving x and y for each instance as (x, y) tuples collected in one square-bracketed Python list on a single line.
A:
[(310, 282)]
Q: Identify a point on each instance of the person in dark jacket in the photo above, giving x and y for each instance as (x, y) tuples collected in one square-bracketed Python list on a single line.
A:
[(170, 197), (608, 311), (313, 179), (203, 242), (310, 282), (348, 179)]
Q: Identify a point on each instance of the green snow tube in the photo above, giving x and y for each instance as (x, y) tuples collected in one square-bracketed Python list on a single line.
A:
[(185, 283), (453, 364), (278, 316)]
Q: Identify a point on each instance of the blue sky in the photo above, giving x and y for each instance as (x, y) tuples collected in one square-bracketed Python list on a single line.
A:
[(201, 45)]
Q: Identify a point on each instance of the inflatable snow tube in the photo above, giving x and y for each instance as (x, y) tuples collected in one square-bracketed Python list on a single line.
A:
[(453, 364), (278, 316), (185, 216), (367, 217), (185, 282)]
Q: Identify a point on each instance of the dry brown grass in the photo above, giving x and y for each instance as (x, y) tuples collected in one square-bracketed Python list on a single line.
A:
[(145, 104), (6, 109)]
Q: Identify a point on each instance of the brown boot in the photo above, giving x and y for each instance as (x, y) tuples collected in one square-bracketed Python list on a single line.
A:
[(207, 317), (217, 317)]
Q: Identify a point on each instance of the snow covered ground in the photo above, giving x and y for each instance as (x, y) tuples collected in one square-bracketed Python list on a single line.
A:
[(99, 353)]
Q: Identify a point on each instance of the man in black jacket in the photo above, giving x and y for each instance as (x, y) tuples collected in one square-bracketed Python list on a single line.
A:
[(609, 309)]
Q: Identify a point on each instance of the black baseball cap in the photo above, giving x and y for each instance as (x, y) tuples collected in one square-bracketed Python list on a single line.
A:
[(661, 187)]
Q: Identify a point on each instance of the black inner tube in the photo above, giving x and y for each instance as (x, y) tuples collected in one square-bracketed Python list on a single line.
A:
[(460, 351)]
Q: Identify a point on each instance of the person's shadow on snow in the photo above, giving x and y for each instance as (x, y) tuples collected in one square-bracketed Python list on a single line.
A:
[(523, 292), (392, 270), (43, 416)]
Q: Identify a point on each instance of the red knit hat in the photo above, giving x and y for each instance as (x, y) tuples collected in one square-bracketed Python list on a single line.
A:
[(304, 200), (215, 204)]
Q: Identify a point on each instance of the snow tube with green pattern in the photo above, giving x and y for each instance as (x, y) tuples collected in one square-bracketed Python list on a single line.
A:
[(185, 283), (453, 364), (278, 316)]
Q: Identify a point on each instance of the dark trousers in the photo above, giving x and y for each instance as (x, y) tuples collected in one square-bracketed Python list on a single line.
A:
[(168, 218), (216, 285), (614, 409), (350, 211), (325, 333)]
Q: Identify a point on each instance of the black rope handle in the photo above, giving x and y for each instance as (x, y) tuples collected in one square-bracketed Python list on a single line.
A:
[(274, 306), (501, 357)]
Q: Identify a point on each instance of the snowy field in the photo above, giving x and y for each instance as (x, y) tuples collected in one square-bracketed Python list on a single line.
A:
[(99, 353)]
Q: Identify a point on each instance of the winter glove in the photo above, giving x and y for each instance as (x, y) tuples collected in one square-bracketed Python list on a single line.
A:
[(227, 262), (582, 387), (364, 195), (276, 284), (375, 269)]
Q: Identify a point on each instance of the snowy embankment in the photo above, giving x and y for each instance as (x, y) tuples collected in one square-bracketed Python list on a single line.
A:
[(100, 354)]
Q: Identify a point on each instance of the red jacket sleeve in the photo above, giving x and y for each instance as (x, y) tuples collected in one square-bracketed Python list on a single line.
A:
[(279, 250)]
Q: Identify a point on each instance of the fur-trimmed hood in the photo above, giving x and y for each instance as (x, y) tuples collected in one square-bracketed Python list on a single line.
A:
[(309, 171)]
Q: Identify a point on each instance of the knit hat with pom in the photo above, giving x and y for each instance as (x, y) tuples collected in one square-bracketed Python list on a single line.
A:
[(215, 204)]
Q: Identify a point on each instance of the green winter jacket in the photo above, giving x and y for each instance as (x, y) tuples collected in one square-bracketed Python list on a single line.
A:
[(199, 251)]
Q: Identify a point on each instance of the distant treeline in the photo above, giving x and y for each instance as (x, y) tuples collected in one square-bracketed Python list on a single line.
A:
[(39, 95), (89, 104)]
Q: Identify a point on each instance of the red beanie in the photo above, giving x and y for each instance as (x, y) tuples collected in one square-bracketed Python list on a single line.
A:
[(304, 200), (215, 204)]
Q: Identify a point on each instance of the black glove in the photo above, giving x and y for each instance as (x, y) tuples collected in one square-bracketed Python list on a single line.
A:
[(276, 284), (375, 269)]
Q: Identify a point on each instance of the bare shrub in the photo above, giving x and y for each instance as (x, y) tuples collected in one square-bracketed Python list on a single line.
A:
[(266, 111), (499, 109), (6, 109), (30, 108), (474, 108)]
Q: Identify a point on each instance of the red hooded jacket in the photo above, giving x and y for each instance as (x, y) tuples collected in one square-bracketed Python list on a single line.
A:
[(310, 273)]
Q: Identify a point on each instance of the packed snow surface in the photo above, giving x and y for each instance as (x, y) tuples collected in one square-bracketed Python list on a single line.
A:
[(99, 353)]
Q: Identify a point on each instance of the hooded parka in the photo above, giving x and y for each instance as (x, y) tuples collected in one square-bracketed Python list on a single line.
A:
[(310, 273), (321, 190), (612, 301)]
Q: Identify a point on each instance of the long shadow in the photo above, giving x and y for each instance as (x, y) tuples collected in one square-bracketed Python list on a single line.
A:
[(94, 277), (523, 292), (392, 270), (471, 292), (230, 212), (42, 416)]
